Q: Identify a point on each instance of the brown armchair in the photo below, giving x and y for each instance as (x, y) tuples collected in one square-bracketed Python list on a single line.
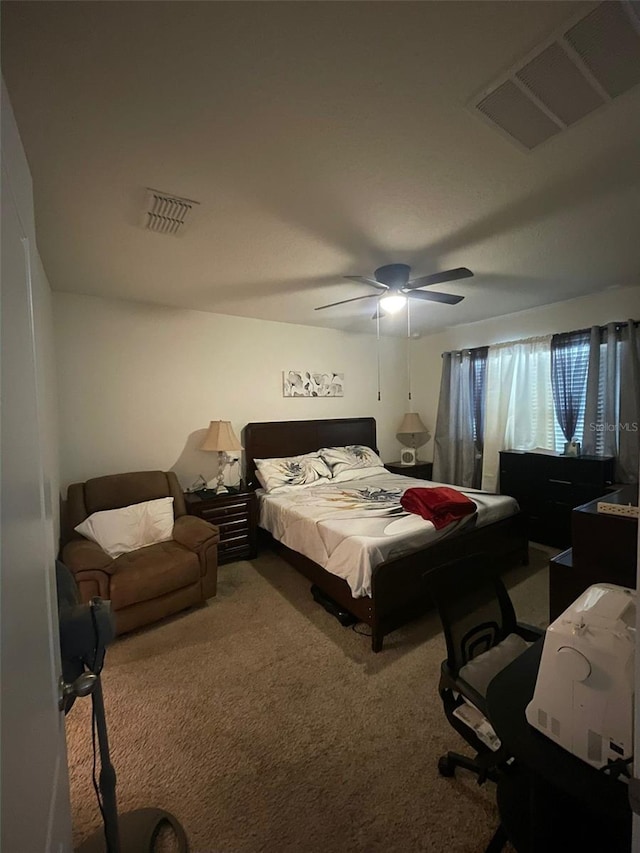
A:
[(150, 583)]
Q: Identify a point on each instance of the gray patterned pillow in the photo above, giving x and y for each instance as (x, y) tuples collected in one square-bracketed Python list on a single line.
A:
[(289, 471), (349, 458)]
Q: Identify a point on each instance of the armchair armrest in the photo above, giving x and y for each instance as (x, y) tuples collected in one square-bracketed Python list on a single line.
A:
[(82, 555), (193, 532)]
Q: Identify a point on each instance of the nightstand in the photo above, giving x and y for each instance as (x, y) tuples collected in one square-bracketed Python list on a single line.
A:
[(421, 470), (235, 513)]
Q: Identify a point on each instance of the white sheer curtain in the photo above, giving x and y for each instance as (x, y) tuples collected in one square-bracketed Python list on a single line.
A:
[(519, 412)]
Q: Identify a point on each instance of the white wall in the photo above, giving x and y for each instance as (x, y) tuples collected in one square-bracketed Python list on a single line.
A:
[(138, 384), (597, 309), (16, 179)]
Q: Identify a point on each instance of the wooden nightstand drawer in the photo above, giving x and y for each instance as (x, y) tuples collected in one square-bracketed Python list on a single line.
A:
[(232, 527), (231, 552), (237, 507), (234, 543), (224, 515), (235, 515)]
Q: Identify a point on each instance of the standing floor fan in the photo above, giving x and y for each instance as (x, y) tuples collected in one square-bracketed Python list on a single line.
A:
[(85, 632)]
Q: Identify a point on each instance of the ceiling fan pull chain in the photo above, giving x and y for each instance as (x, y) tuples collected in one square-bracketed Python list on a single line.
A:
[(378, 348), (409, 347)]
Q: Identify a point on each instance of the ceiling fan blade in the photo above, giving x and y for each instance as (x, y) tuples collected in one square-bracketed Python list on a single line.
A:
[(439, 277), (364, 280), (379, 315), (434, 296), (344, 301)]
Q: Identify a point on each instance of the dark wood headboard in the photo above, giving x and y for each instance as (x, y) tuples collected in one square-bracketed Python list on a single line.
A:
[(291, 438)]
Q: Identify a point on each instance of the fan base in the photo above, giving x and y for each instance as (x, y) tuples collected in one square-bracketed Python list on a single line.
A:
[(138, 831)]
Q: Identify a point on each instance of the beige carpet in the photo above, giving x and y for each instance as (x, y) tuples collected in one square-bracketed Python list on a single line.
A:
[(264, 725)]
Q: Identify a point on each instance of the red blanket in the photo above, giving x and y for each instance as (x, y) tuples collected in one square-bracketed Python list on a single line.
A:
[(439, 505)]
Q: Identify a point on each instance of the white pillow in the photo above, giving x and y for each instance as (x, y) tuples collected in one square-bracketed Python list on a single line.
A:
[(349, 458), (301, 470), (358, 474), (118, 531)]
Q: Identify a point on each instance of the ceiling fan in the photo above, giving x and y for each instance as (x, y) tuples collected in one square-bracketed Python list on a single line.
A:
[(394, 282)]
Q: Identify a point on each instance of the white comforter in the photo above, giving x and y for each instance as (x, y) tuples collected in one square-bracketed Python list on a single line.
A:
[(351, 527)]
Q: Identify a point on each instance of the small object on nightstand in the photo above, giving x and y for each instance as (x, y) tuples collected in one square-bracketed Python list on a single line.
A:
[(408, 456), (235, 513), (421, 470)]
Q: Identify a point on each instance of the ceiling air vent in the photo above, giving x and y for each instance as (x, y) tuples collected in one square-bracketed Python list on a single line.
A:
[(509, 108), (554, 79), (608, 44), (583, 66), (167, 214)]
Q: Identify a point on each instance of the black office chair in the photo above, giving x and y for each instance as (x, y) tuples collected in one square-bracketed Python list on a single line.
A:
[(482, 637)]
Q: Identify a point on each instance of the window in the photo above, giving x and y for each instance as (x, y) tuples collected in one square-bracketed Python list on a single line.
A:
[(478, 377), (578, 353)]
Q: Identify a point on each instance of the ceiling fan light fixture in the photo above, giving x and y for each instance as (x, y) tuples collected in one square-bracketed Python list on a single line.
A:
[(394, 281), (394, 303)]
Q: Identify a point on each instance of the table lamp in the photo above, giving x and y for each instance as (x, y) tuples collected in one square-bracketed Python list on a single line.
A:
[(220, 437), (413, 434)]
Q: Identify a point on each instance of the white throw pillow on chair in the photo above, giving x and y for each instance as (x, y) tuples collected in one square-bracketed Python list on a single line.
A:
[(119, 531)]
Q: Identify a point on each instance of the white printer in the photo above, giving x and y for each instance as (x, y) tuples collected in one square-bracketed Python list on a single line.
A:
[(583, 698)]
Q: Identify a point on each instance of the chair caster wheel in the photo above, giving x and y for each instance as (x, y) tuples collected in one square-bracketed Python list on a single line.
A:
[(445, 767)]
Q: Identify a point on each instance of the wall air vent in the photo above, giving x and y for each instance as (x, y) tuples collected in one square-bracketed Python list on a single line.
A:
[(583, 66), (167, 214)]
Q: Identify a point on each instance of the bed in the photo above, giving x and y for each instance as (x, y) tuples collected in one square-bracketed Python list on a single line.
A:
[(399, 585)]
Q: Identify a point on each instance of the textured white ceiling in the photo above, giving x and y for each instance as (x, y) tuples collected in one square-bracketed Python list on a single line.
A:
[(322, 140)]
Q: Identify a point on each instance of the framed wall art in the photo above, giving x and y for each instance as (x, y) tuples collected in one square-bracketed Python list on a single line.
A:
[(305, 383)]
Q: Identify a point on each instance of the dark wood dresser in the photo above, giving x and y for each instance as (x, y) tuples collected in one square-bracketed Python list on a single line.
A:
[(549, 487), (236, 515), (604, 551)]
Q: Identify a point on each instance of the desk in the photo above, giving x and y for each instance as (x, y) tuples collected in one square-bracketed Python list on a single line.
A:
[(571, 802), (604, 550)]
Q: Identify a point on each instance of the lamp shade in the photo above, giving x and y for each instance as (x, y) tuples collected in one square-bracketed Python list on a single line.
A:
[(220, 436), (413, 428)]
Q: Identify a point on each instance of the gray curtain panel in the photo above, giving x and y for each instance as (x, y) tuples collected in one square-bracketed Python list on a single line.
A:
[(569, 378), (612, 410), (459, 422), (629, 435)]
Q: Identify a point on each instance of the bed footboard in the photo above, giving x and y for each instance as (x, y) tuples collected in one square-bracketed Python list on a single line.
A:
[(400, 587)]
